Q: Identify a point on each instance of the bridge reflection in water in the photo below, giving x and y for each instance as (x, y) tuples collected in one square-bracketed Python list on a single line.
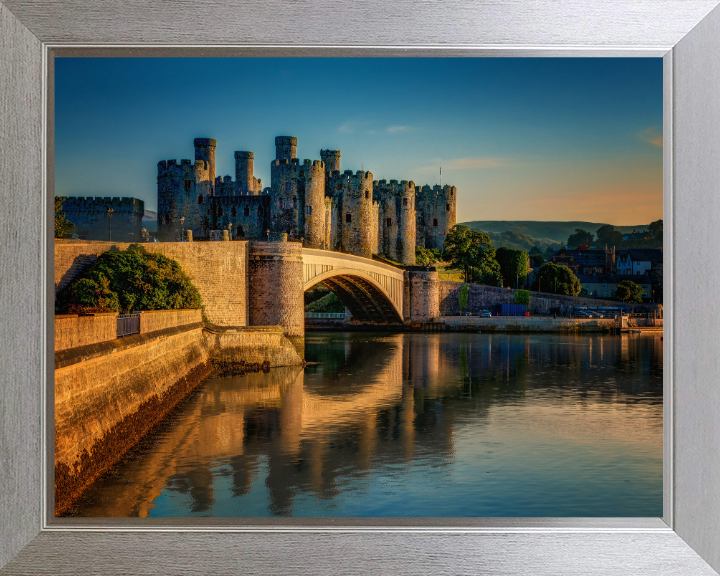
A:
[(413, 425)]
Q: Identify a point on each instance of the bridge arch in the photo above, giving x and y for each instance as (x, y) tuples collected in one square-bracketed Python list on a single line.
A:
[(372, 291)]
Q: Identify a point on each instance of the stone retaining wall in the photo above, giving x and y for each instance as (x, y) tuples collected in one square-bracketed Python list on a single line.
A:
[(153, 320), (72, 330), (526, 324), (482, 297)]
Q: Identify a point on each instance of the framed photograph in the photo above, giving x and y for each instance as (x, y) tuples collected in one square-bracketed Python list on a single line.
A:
[(682, 36)]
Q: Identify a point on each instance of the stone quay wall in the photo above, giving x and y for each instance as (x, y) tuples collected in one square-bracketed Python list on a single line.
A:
[(526, 324), (482, 297), (109, 394), (217, 269), (252, 345)]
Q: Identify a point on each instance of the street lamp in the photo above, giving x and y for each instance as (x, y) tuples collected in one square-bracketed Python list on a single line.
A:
[(109, 213), (268, 234), (230, 230), (182, 224)]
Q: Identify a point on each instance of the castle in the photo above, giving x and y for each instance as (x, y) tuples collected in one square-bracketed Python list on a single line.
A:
[(310, 201), (93, 220)]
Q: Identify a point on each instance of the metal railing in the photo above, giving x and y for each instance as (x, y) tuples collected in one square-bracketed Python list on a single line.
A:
[(128, 324), (336, 315)]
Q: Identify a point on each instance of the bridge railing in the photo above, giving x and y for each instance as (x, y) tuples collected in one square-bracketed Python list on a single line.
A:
[(334, 315)]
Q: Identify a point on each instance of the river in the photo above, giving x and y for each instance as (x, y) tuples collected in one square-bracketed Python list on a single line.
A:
[(412, 425)]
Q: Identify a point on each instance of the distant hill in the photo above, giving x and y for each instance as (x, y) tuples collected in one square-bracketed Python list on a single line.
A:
[(539, 233), (150, 220)]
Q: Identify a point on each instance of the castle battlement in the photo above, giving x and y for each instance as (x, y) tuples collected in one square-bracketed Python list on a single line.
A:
[(309, 199), (126, 203), (172, 168)]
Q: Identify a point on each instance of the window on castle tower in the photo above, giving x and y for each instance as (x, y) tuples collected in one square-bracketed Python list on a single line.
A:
[(188, 185), (233, 211), (201, 199), (389, 222), (348, 218), (247, 211), (404, 201), (308, 210), (260, 211), (288, 186), (435, 222), (447, 207), (367, 194)]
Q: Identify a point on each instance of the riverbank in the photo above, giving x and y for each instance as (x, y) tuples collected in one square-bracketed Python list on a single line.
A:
[(517, 324)]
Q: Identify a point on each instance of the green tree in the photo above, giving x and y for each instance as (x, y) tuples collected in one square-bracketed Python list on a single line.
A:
[(463, 297), (607, 235), (471, 252), (128, 280), (427, 256), (522, 297), (557, 280), (656, 233), (513, 266), (629, 291), (62, 224), (580, 237)]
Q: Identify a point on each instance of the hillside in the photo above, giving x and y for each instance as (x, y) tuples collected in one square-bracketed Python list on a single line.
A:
[(541, 233)]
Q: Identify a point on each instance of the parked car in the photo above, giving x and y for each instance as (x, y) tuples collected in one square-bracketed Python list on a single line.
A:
[(486, 314)]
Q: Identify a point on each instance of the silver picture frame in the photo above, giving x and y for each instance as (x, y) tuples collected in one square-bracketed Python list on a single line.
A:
[(685, 33)]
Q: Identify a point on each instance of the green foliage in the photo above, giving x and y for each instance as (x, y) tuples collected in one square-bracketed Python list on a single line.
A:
[(556, 279), (579, 237), (656, 232), (608, 236), (513, 266), (62, 224), (127, 280), (328, 303), (427, 256), (472, 253), (629, 291), (463, 297), (522, 297)]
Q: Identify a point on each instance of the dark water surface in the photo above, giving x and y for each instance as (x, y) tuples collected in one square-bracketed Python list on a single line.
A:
[(413, 425)]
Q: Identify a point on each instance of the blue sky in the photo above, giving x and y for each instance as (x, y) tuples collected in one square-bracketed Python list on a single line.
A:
[(521, 138)]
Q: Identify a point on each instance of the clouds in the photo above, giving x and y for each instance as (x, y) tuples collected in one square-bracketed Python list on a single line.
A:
[(367, 127), (652, 136)]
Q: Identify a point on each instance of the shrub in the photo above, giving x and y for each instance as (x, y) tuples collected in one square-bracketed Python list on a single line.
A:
[(132, 279), (522, 297)]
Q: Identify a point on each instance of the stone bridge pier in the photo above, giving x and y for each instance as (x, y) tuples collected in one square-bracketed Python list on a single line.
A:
[(376, 293)]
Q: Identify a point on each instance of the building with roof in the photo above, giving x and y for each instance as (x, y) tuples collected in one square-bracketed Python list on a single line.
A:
[(583, 260), (604, 285)]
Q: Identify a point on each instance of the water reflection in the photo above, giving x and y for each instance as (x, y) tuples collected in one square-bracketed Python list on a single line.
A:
[(414, 425)]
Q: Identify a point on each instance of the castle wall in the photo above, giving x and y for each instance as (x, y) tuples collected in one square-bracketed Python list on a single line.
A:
[(397, 220), (436, 214), (183, 191), (354, 196), (92, 221)]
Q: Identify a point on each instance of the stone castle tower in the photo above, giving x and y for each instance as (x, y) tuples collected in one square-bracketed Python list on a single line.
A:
[(312, 201)]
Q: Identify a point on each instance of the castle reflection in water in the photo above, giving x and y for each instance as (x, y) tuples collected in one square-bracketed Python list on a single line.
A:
[(374, 415)]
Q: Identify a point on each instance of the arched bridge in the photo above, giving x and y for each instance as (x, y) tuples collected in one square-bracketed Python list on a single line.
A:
[(371, 290)]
